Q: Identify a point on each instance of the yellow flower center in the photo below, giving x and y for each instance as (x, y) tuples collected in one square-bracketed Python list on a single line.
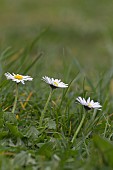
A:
[(89, 104), (19, 77), (56, 84)]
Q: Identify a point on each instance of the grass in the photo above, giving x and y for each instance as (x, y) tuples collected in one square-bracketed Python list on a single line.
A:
[(26, 145), (71, 41)]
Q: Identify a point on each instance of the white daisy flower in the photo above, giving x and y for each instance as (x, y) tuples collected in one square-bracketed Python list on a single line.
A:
[(18, 78), (54, 83), (89, 104)]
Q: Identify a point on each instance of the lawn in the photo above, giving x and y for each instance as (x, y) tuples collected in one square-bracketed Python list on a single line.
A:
[(68, 40)]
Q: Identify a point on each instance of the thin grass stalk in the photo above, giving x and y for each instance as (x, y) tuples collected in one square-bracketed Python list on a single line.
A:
[(15, 101), (79, 127), (44, 110)]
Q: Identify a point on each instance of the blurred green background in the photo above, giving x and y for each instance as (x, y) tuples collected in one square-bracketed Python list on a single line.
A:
[(81, 29)]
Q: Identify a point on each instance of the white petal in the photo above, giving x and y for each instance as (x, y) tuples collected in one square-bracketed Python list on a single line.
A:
[(88, 100), (22, 82)]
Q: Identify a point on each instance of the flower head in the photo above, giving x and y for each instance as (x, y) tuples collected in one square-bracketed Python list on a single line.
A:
[(18, 78), (54, 83), (89, 104)]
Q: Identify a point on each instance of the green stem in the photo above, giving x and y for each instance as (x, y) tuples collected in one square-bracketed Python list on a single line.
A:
[(15, 102), (79, 127), (43, 112)]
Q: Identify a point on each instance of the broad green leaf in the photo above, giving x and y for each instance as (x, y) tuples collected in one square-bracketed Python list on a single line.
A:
[(105, 149), (23, 159), (46, 149), (14, 130), (32, 132), (9, 117), (51, 124)]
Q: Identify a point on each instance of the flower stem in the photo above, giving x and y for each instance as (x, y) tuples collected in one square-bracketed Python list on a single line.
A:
[(43, 112), (15, 101), (79, 127)]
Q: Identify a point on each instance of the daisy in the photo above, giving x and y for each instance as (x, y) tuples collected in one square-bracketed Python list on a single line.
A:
[(54, 83), (89, 104), (18, 78)]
